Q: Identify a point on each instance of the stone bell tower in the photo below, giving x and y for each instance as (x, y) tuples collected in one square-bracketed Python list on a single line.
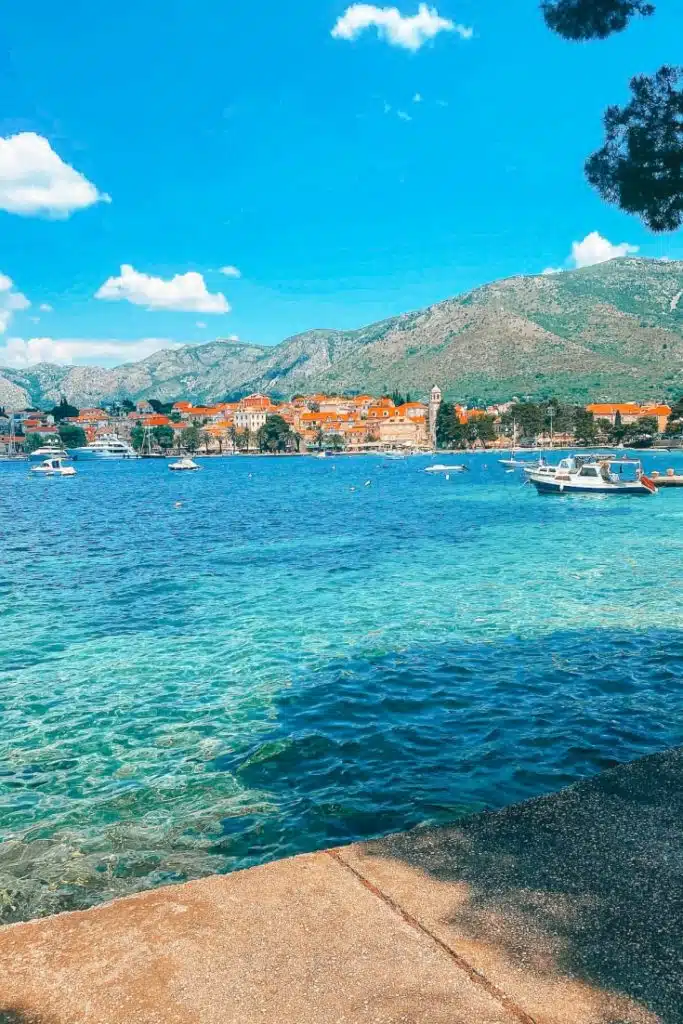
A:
[(434, 403)]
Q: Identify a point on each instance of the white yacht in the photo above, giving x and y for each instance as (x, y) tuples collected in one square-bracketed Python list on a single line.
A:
[(48, 451), (109, 446)]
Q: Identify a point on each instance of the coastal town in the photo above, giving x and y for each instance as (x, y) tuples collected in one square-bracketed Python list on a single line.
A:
[(354, 423)]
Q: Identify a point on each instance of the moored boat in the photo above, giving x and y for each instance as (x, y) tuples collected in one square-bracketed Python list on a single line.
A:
[(438, 468), (183, 464), (48, 452), (668, 479), (53, 467), (590, 475), (109, 446)]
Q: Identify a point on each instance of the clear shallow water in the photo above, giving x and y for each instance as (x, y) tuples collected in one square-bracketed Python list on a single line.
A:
[(284, 662)]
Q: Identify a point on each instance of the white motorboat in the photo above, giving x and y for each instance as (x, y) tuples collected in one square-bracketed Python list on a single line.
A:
[(109, 446), (48, 452), (590, 475), (183, 464), (519, 463), (53, 467), (438, 468)]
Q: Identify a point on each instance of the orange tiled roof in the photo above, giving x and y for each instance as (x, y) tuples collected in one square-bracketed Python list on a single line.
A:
[(610, 408)]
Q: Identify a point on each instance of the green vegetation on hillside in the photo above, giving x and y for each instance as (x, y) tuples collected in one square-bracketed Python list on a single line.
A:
[(606, 332)]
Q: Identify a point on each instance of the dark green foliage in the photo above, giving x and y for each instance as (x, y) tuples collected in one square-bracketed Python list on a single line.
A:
[(275, 435), (63, 411), (191, 438), (451, 433), (137, 436), (163, 408), (164, 436), (585, 430), (675, 422), (127, 405), (529, 417), (72, 436), (591, 19), (640, 167), (448, 433), (32, 442)]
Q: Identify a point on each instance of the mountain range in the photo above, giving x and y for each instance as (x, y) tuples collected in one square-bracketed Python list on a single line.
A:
[(610, 331)]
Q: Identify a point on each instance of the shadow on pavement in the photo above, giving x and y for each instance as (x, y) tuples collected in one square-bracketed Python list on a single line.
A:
[(584, 885)]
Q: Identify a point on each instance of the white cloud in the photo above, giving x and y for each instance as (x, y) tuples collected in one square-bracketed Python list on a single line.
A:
[(18, 352), (45, 307), (230, 271), (403, 116), (10, 301), (417, 98), (35, 181), (408, 32), (183, 292), (593, 249), (596, 249), (200, 323)]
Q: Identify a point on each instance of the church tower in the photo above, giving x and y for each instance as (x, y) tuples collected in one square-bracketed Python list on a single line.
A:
[(434, 403)]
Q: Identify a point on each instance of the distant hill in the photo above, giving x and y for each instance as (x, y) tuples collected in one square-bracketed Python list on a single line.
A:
[(614, 330)]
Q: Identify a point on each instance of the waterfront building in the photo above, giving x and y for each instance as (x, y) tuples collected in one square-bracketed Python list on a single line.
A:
[(252, 411), (630, 412)]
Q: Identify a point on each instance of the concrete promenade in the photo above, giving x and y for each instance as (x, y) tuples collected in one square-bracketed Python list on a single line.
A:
[(563, 910)]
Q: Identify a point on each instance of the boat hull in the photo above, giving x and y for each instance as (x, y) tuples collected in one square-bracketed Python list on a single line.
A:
[(82, 454), (549, 485)]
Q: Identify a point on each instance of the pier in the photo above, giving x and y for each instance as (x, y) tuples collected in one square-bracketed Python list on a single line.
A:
[(562, 910)]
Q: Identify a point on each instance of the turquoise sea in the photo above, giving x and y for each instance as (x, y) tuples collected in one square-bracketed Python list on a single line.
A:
[(201, 672)]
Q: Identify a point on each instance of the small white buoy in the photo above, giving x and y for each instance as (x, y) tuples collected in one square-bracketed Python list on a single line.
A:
[(178, 504), (448, 476)]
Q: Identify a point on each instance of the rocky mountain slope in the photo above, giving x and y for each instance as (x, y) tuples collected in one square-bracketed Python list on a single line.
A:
[(610, 331)]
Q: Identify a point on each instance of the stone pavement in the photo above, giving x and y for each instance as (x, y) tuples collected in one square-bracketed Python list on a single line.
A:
[(563, 910)]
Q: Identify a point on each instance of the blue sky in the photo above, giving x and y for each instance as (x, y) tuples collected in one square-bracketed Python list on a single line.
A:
[(347, 177)]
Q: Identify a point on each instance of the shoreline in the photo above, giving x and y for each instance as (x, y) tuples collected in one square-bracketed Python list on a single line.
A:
[(554, 910)]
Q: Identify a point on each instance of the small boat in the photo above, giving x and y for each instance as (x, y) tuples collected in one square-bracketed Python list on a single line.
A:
[(185, 463), (668, 479), (53, 467), (590, 475), (395, 455), (438, 468)]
